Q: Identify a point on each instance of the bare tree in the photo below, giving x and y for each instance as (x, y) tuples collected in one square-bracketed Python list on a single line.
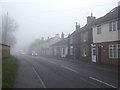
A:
[(9, 26)]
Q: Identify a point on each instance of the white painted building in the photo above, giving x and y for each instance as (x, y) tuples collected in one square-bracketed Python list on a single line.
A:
[(106, 40), (60, 49)]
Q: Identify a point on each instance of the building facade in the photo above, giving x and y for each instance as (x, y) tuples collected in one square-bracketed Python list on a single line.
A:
[(60, 49), (106, 40), (45, 45), (80, 41)]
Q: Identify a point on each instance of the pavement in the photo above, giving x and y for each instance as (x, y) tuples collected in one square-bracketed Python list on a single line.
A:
[(48, 72)]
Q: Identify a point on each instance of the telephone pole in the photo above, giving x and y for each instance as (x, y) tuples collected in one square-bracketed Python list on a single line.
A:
[(6, 29)]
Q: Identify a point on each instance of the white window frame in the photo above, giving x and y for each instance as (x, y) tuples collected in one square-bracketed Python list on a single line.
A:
[(71, 50), (85, 36), (113, 51), (113, 26), (99, 30), (84, 51)]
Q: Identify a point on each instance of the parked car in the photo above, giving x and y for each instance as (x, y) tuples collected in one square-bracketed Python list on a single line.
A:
[(34, 54)]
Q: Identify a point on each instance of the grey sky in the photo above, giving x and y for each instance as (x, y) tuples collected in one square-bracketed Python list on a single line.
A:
[(49, 17)]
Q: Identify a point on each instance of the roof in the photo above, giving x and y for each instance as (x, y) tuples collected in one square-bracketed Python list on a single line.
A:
[(61, 42), (84, 28), (5, 45), (113, 14)]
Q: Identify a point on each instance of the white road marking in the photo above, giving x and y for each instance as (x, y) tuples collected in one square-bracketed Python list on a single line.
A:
[(52, 62), (69, 68), (39, 77), (102, 82)]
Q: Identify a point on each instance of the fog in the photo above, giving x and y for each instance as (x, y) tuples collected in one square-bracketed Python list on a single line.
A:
[(45, 18)]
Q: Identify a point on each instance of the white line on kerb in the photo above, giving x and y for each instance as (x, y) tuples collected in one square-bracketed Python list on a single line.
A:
[(39, 78), (68, 68), (102, 82)]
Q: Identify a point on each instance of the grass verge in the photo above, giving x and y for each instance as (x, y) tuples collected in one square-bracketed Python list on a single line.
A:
[(9, 68), (0, 73)]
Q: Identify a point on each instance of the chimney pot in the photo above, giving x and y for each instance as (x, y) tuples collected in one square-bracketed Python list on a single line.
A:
[(90, 18), (62, 35)]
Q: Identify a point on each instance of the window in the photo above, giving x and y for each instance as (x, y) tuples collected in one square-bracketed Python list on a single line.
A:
[(114, 51), (113, 26), (84, 36), (71, 40), (99, 29), (71, 50), (118, 25), (63, 51), (118, 50), (94, 51), (84, 51), (110, 26)]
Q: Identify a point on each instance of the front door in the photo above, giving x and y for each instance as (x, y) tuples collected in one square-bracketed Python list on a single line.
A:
[(99, 53), (93, 53)]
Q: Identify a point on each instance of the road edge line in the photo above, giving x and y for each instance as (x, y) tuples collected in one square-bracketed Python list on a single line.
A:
[(39, 78), (102, 82)]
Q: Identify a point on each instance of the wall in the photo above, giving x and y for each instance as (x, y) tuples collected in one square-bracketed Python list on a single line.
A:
[(105, 53), (105, 36), (5, 51), (87, 43)]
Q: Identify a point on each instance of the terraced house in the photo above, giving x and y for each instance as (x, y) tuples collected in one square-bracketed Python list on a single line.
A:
[(106, 40), (73, 43), (80, 41), (97, 41)]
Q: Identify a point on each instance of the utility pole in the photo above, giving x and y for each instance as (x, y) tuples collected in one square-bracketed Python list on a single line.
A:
[(6, 29)]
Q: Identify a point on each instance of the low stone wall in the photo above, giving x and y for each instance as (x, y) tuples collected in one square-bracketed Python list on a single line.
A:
[(4, 50)]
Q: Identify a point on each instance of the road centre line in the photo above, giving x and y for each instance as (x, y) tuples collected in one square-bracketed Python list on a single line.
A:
[(68, 68), (39, 77), (102, 82), (41, 81), (52, 62)]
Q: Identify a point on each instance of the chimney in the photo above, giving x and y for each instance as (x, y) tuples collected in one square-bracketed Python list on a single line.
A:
[(119, 3), (62, 35), (77, 26), (90, 19)]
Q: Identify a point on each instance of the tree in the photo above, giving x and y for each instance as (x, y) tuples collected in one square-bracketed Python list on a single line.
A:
[(9, 26)]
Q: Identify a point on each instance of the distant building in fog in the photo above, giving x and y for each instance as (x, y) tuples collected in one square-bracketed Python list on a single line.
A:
[(45, 45)]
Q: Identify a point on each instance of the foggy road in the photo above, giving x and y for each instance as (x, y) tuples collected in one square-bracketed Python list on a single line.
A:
[(43, 72)]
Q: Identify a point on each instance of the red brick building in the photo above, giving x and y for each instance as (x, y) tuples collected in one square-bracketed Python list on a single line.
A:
[(4, 50), (106, 40)]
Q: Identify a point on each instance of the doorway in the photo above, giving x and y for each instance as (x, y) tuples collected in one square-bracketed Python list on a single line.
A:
[(99, 53), (93, 53)]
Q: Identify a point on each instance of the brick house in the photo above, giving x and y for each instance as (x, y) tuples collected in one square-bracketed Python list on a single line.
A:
[(106, 42), (73, 43), (70, 46), (86, 39), (80, 41)]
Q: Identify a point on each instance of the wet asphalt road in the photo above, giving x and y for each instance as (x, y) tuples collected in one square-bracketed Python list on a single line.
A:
[(44, 72)]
